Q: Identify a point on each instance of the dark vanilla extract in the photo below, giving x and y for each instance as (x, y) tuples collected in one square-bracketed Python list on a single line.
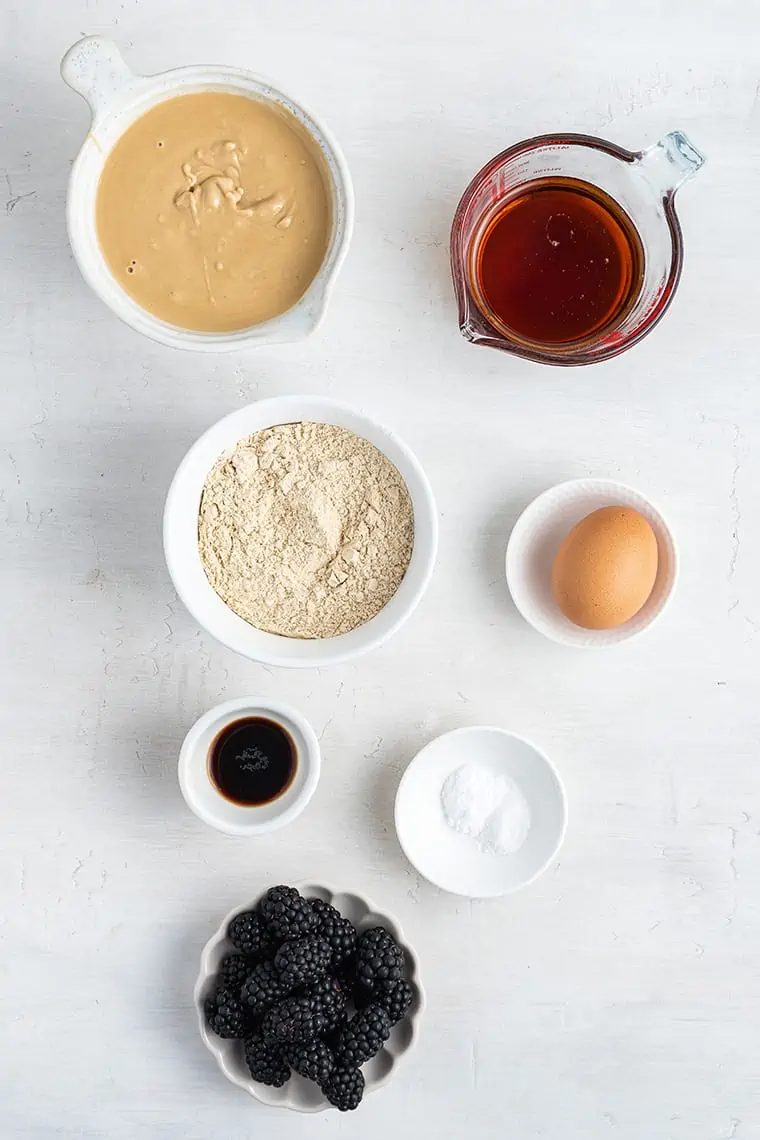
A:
[(253, 761)]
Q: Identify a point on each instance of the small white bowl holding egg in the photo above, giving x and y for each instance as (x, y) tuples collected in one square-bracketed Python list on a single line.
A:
[(591, 563)]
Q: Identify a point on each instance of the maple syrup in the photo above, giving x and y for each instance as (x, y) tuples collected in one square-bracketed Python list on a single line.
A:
[(561, 261)]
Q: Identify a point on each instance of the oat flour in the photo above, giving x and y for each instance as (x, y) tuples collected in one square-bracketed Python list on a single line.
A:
[(305, 530)]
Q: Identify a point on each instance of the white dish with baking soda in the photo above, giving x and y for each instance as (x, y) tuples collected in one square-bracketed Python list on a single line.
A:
[(480, 812), (190, 489)]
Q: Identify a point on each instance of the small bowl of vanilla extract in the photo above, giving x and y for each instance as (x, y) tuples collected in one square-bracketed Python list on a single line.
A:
[(249, 766)]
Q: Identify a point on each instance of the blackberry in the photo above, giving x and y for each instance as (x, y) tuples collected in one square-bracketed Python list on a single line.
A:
[(302, 960), (286, 914), (379, 958), (246, 932), (336, 930), (295, 1019), (233, 971), (361, 994), (266, 1062), (332, 999), (345, 1089), (263, 989), (312, 1059), (364, 1036), (225, 1014), (395, 997)]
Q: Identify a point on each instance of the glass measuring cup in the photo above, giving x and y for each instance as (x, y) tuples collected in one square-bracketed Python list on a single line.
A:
[(643, 183)]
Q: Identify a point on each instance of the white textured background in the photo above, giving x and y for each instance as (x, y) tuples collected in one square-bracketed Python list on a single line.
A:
[(618, 998)]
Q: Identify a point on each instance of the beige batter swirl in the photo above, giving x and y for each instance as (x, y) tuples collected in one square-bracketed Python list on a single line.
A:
[(213, 211)]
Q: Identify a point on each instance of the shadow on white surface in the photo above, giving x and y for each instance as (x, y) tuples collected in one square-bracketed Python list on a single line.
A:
[(493, 546)]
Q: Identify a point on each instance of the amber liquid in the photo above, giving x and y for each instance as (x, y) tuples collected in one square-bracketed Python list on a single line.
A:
[(559, 263)]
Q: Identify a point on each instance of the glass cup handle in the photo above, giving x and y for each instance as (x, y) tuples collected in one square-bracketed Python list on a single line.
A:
[(670, 162)]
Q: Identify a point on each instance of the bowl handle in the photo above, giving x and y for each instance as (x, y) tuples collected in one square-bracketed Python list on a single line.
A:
[(95, 69)]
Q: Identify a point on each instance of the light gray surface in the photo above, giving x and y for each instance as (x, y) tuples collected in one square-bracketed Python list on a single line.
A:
[(618, 997)]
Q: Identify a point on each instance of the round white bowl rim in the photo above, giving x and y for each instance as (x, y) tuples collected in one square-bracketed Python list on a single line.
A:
[(278, 710), (284, 409), (603, 485), (562, 798), (304, 886)]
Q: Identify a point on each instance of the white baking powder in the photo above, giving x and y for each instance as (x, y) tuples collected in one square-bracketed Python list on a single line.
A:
[(488, 808)]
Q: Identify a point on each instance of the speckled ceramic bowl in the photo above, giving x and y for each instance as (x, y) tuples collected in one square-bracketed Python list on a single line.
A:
[(117, 97), (299, 1094)]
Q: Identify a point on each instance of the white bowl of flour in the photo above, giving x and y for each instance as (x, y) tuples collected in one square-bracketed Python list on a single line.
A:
[(381, 549)]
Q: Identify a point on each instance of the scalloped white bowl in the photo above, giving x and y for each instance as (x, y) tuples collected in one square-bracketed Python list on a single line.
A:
[(298, 1094)]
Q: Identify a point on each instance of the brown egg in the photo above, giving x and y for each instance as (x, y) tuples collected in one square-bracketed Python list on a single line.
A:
[(605, 568)]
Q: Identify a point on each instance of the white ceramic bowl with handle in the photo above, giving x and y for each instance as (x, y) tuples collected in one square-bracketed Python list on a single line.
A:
[(117, 97), (299, 1094), (181, 536)]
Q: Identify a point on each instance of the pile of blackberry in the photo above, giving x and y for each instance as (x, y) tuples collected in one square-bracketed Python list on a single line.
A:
[(306, 993)]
